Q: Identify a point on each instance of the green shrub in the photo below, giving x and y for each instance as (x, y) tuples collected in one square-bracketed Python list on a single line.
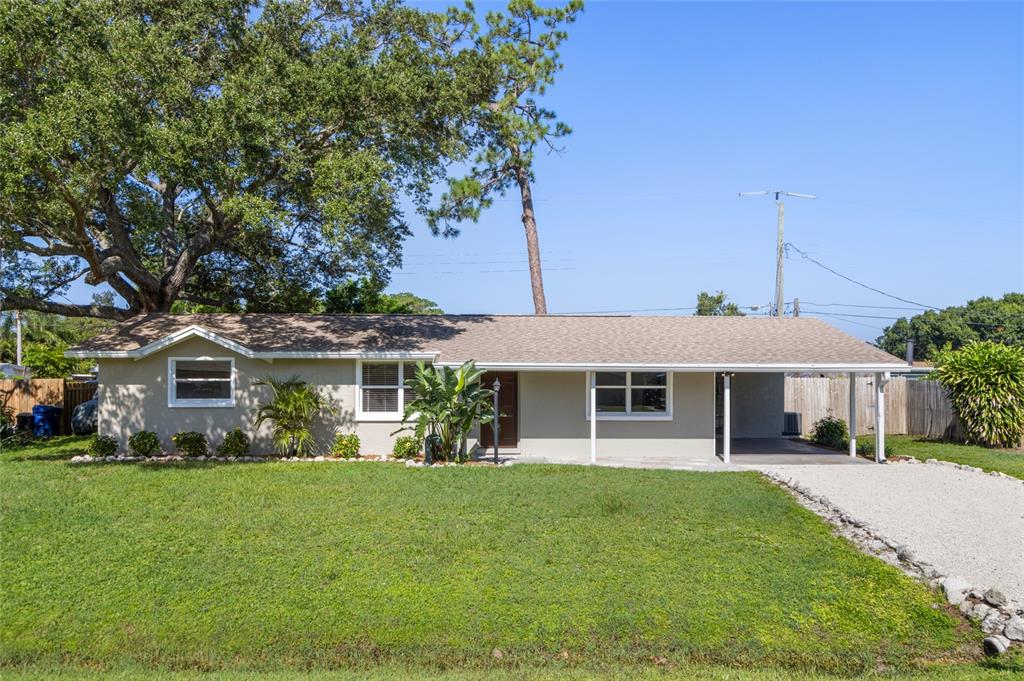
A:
[(236, 443), (985, 384), (103, 445), (191, 443), (867, 448), (830, 431), (7, 421), (144, 443), (406, 447), (346, 446), (293, 407)]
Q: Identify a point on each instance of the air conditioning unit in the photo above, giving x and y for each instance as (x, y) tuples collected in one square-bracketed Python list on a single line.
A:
[(791, 423)]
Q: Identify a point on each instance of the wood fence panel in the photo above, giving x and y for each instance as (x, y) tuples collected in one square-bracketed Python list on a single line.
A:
[(912, 407), (75, 392)]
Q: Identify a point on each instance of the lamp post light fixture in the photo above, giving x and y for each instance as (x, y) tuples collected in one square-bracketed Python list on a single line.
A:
[(494, 424)]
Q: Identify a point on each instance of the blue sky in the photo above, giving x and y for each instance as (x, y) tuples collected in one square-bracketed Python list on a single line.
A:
[(907, 120)]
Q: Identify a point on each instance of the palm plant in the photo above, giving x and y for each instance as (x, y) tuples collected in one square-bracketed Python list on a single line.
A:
[(292, 409), (447, 404)]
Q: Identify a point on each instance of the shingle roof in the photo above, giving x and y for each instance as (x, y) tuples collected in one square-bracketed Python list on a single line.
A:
[(522, 339)]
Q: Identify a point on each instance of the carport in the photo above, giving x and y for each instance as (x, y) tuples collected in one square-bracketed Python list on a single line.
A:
[(757, 393)]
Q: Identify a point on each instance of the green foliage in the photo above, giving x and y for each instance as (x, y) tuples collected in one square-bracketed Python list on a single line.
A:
[(866, 447), (7, 424), (48, 361), (520, 55), (366, 295), (346, 446), (405, 447), (714, 305), (222, 151), (447, 404), (984, 319), (144, 443), (236, 443), (38, 328), (385, 552), (831, 431), (985, 384), (292, 409), (103, 445), (191, 443)]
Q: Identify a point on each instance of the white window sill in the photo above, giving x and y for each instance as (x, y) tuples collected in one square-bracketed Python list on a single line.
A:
[(381, 417), (632, 417), (201, 404)]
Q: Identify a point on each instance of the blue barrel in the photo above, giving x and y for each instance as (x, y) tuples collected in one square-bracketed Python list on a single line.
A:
[(45, 420)]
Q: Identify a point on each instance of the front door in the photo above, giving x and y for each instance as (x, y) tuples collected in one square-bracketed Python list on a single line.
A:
[(508, 400)]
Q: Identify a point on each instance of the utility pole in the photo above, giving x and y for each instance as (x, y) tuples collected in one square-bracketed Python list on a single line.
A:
[(780, 247), (796, 307), (17, 335)]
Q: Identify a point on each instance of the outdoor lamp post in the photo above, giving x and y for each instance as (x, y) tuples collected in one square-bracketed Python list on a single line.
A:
[(494, 423)]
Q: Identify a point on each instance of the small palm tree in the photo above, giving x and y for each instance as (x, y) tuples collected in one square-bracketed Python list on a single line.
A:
[(447, 403), (293, 408)]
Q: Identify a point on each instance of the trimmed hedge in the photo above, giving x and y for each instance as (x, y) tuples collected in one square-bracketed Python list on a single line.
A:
[(236, 443), (191, 443), (144, 443)]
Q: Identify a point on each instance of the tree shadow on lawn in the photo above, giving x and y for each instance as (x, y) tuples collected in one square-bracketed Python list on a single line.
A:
[(60, 448)]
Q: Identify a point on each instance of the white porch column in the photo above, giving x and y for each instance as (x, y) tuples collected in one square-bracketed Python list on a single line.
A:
[(593, 417), (880, 381), (853, 414), (726, 416)]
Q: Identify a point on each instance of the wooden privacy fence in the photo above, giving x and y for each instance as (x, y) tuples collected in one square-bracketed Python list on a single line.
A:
[(912, 407), (23, 394)]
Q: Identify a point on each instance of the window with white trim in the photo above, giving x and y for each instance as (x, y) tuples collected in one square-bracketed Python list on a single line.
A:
[(200, 382), (382, 389), (631, 394)]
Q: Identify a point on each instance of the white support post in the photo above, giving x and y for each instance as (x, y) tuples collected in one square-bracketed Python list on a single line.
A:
[(853, 414), (726, 415), (880, 381), (593, 417)]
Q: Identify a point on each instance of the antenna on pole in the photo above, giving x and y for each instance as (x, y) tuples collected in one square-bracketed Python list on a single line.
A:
[(779, 248)]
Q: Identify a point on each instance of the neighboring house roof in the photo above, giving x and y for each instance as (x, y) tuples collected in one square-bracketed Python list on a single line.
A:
[(513, 341)]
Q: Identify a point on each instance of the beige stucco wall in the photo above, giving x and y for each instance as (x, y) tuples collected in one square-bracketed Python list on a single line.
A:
[(758, 402), (552, 419), (133, 397), (552, 407)]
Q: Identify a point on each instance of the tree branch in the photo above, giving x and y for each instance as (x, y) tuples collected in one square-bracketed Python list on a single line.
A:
[(13, 301)]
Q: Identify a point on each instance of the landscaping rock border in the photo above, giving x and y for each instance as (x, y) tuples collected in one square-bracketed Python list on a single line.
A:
[(951, 464), (1002, 621), (177, 458)]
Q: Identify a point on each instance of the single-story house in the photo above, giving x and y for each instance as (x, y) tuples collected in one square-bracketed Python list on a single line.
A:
[(570, 385)]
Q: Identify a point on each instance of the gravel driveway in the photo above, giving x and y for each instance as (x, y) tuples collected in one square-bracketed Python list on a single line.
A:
[(964, 523)]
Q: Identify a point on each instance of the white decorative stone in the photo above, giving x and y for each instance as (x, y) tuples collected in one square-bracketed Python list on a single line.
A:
[(956, 589), (993, 622), (1014, 629)]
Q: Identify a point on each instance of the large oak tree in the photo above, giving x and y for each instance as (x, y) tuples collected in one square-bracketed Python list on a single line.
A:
[(221, 151)]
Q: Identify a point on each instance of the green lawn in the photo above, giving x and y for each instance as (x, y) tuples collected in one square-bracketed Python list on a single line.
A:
[(379, 571), (1004, 460)]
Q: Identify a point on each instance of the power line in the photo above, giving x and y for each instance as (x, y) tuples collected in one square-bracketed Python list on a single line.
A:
[(873, 307), (854, 281)]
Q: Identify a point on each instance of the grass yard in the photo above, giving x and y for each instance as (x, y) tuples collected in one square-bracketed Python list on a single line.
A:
[(1006, 461), (381, 572)]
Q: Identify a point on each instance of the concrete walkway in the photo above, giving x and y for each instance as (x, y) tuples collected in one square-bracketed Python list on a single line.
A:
[(747, 454), (964, 523)]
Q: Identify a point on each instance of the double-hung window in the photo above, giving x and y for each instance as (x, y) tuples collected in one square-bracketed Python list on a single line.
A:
[(631, 395), (382, 390), (200, 382)]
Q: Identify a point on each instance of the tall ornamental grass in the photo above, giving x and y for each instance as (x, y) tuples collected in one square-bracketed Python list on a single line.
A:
[(985, 384)]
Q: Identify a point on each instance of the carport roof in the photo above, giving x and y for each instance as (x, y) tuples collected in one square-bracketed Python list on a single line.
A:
[(513, 341)]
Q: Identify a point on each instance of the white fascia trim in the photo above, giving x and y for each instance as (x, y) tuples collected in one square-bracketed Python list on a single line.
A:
[(200, 332), (746, 368)]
